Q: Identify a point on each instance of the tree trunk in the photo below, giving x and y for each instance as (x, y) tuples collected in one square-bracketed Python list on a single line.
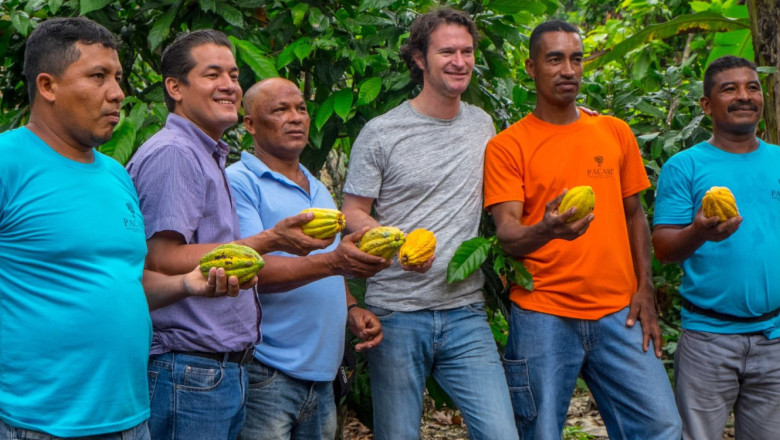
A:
[(765, 24)]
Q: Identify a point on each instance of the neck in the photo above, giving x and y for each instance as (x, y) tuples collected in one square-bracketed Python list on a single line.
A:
[(734, 143), (58, 141), (557, 115), (436, 105), (289, 168), (215, 135)]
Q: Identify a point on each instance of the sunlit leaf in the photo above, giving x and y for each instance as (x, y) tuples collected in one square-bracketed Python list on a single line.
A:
[(162, 27), (369, 90), (342, 103), (467, 258), (87, 6), (298, 13), (256, 59), (324, 113)]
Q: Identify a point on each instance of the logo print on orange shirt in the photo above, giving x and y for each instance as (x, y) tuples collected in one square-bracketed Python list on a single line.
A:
[(599, 172)]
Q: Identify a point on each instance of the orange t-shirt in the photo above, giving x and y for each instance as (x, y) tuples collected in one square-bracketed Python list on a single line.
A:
[(532, 161)]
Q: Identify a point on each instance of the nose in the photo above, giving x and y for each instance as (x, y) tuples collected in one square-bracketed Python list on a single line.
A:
[(226, 82), (567, 69), (458, 59), (115, 93)]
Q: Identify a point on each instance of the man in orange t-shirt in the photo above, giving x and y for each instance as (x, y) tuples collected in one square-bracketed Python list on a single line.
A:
[(592, 278)]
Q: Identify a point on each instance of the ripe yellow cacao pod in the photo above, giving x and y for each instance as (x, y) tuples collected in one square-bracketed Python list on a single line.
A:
[(580, 196), (325, 224), (239, 261), (419, 247), (719, 202), (382, 241)]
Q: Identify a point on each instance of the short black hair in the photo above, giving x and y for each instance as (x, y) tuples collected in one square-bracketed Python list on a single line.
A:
[(421, 29), (726, 62), (51, 47), (177, 60), (548, 26)]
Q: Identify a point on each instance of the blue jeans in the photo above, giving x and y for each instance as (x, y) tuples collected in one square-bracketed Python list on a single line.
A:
[(195, 398), (714, 373), (546, 353), (281, 407), (8, 432), (457, 347)]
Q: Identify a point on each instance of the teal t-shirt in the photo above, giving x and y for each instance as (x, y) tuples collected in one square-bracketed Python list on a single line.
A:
[(741, 274), (74, 323)]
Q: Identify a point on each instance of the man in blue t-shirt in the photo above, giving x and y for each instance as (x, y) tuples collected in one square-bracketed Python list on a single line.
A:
[(728, 355), (290, 392), (75, 333)]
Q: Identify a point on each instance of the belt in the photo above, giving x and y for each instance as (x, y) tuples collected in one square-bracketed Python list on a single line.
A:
[(238, 357), (689, 306)]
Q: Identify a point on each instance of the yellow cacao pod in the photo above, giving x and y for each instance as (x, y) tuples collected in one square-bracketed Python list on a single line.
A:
[(719, 202), (239, 261), (325, 224), (419, 247), (580, 196), (382, 241)]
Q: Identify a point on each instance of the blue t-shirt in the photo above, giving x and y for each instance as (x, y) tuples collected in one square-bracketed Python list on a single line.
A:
[(303, 329), (74, 322), (740, 275)]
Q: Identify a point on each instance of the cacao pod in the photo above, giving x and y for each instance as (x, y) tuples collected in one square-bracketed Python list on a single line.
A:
[(580, 196), (382, 241), (719, 202), (325, 224), (237, 260), (419, 247)]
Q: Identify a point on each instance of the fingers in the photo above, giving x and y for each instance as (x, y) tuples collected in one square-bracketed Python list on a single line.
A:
[(300, 219), (355, 236)]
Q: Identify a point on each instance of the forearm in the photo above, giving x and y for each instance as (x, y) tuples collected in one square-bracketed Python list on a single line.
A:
[(357, 211), (175, 259), (519, 240), (162, 290), (675, 244), (639, 241), (281, 274), (264, 242)]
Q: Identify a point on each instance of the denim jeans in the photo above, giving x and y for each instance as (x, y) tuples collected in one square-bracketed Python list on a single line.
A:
[(715, 373), (281, 407), (195, 398), (8, 432), (457, 347), (546, 353)]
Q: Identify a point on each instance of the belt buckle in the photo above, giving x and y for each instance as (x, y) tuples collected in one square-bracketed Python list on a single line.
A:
[(247, 355)]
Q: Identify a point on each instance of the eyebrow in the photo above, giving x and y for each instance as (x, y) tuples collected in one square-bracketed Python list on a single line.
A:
[(729, 83), (557, 53), (218, 67)]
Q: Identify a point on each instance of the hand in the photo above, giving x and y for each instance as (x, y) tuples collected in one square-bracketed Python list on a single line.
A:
[(712, 229), (366, 326), (643, 307), (349, 261), (217, 284), (554, 223), (291, 239), (420, 268), (588, 111)]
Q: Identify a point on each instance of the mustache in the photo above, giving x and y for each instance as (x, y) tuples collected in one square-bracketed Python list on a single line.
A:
[(739, 105)]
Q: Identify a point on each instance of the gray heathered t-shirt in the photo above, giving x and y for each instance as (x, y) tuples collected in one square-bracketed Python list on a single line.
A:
[(423, 172)]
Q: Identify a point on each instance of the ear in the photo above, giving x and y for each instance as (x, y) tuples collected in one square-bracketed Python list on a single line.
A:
[(529, 68), (249, 124), (704, 102), (46, 87), (419, 59), (173, 86)]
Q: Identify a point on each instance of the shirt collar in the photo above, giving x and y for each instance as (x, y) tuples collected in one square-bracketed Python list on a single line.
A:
[(189, 129)]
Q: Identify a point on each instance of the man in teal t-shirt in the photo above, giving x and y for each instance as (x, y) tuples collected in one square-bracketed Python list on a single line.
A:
[(74, 321), (728, 355)]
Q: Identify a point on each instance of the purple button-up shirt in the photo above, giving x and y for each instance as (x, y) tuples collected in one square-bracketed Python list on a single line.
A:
[(182, 187)]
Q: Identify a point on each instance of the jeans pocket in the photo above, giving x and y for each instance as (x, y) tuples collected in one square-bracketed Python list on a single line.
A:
[(201, 379), (380, 313), (151, 377), (478, 308), (261, 375), (520, 389)]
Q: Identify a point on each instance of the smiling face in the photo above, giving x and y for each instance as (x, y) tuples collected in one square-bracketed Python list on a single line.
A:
[(87, 97), (211, 96), (449, 62), (277, 119), (557, 68), (736, 101)]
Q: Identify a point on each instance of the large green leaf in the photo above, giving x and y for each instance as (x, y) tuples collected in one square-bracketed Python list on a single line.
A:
[(230, 14), (369, 90), (298, 13), (520, 274), (87, 6), (683, 24), (324, 113), (467, 259), (162, 27), (120, 147), (342, 103), (515, 6), (256, 59)]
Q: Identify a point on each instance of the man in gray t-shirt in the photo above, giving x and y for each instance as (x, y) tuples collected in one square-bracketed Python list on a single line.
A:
[(420, 166)]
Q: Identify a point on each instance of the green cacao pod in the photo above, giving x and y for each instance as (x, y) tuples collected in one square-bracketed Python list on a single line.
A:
[(237, 260), (419, 247), (325, 224), (383, 241), (719, 202), (580, 196)]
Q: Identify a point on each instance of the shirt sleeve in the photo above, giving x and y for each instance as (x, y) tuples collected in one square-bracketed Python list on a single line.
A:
[(503, 172), (247, 201), (364, 176), (674, 204), (170, 184)]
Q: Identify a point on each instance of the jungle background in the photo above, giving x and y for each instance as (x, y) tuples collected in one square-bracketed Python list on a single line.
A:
[(644, 64)]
